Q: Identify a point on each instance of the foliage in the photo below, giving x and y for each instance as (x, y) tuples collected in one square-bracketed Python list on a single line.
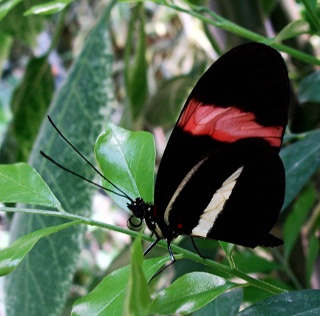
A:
[(149, 71)]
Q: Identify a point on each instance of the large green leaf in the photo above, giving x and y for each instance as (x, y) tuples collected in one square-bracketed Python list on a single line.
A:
[(300, 160), (250, 262), (309, 88), (136, 69), (302, 303), (312, 257), (7, 6), (138, 298), (29, 104), (25, 29), (127, 159), (293, 29), (108, 297), (227, 304), (5, 45), (48, 271), (11, 257), (49, 7), (20, 183), (189, 293), (297, 217), (164, 107)]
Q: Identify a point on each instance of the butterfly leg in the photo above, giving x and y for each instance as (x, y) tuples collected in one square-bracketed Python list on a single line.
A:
[(151, 246), (173, 259), (197, 249)]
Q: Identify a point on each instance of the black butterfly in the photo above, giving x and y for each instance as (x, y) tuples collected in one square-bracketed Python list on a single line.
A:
[(221, 176)]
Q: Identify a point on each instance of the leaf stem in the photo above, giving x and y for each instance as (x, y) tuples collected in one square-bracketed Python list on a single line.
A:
[(58, 30), (219, 21), (220, 268), (217, 267)]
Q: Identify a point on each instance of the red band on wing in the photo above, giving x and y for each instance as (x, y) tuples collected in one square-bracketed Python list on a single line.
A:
[(226, 124)]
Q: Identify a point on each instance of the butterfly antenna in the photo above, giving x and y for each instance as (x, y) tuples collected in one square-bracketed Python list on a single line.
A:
[(79, 175), (123, 194)]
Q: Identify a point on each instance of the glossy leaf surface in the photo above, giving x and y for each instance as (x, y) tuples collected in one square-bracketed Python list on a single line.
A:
[(108, 297), (302, 303), (189, 293), (20, 183), (11, 257), (137, 300), (127, 160), (301, 160), (76, 110), (50, 7)]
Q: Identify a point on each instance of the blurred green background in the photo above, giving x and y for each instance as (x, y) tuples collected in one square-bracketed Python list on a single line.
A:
[(90, 62)]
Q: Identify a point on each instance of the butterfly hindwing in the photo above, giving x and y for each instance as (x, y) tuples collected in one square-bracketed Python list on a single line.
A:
[(230, 199)]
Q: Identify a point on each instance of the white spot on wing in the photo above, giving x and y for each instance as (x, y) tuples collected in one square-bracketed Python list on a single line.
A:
[(158, 231), (180, 188), (215, 206)]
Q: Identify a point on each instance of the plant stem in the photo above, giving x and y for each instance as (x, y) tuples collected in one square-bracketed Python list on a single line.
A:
[(219, 268), (227, 270), (218, 21), (312, 16), (58, 30), (211, 39)]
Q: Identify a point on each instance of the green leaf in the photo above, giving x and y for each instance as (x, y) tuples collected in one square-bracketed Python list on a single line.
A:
[(164, 107), (300, 160), (136, 82), (309, 88), (29, 105), (189, 293), (7, 6), (77, 110), (293, 29), (11, 257), (312, 3), (300, 303), (5, 47), (253, 294), (227, 247), (48, 8), (312, 256), (296, 218), (25, 29), (249, 262), (226, 304), (268, 6), (137, 299), (108, 297), (20, 183), (127, 159)]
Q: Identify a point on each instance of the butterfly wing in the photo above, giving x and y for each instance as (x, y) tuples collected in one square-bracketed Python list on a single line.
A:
[(242, 96), (230, 199)]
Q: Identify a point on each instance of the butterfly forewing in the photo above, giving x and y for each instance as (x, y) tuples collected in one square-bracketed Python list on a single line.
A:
[(227, 139)]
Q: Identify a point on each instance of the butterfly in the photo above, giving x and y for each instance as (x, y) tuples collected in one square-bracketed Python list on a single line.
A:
[(221, 176)]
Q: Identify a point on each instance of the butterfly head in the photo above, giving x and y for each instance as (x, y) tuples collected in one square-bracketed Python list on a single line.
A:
[(140, 211)]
